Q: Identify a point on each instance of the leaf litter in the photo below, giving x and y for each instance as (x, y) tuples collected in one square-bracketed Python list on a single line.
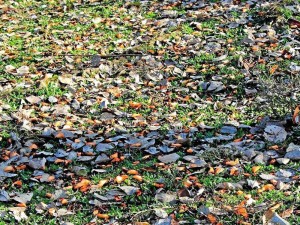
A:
[(165, 129)]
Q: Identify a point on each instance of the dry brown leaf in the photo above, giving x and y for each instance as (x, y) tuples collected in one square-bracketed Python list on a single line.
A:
[(287, 213)]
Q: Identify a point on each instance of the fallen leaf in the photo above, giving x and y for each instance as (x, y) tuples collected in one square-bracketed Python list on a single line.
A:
[(169, 158), (138, 178), (19, 213), (273, 69), (232, 163), (132, 172), (241, 211), (255, 169), (212, 219), (82, 183), (101, 183)]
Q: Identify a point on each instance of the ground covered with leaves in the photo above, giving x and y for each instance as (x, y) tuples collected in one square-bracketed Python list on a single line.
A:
[(149, 112)]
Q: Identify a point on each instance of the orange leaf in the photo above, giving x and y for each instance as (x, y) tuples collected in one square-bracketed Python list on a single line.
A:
[(133, 172), (21, 205), (218, 170), (21, 167), (238, 140), (135, 105), (51, 211), (255, 169), (115, 155), (268, 187), (159, 185), (190, 70), (120, 179), (239, 192), (242, 212), (101, 183), (103, 216), (82, 183), (138, 178), (48, 195), (64, 201), (60, 135), (296, 115), (212, 219), (232, 163), (234, 171), (9, 169), (33, 146), (141, 223), (211, 170), (273, 69), (187, 183), (17, 183), (119, 35)]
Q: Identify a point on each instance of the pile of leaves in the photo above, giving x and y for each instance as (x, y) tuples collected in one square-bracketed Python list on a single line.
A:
[(149, 112)]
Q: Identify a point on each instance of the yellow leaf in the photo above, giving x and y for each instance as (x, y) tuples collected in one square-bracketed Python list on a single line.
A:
[(101, 183), (273, 69), (255, 169), (232, 163)]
